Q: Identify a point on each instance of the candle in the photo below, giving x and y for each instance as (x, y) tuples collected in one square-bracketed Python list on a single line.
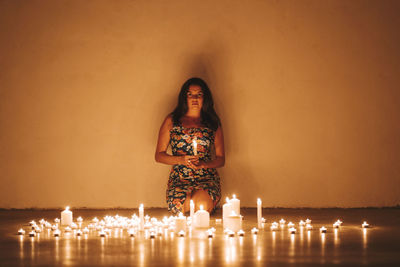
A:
[(254, 231), (231, 233), (365, 225), (66, 217), (191, 209), (180, 223), (240, 233), (308, 221), (308, 226), (201, 219), (195, 146), (336, 225), (290, 224), (102, 233), (233, 222), (141, 217), (67, 229), (235, 204), (292, 230), (259, 212), (56, 233), (32, 233), (79, 232), (226, 209), (322, 229), (21, 231), (274, 227), (85, 230), (131, 232), (282, 222), (302, 223), (181, 233), (210, 233)]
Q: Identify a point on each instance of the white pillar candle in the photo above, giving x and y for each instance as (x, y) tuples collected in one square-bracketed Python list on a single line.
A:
[(180, 223), (235, 204), (141, 217), (233, 222), (195, 146), (201, 219), (226, 209), (66, 217), (259, 213), (191, 209)]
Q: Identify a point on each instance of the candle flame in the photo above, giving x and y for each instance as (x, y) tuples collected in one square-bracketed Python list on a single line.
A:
[(201, 207), (67, 208), (258, 201), (227, 199), (234, 196)]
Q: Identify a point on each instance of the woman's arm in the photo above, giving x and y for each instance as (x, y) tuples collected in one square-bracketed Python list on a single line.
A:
[(219, 160), (162, 145)]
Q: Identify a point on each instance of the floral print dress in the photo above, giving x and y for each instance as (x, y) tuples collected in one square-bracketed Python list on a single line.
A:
[(183, 179)]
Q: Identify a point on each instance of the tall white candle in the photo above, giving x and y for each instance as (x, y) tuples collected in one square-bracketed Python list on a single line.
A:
[(141, 217), (191, 209), (195, 146), (201, 218), (66, 217), (235, 204), (259, 212)]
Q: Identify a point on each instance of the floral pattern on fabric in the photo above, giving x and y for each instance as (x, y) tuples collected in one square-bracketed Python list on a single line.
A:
[(182, 179)]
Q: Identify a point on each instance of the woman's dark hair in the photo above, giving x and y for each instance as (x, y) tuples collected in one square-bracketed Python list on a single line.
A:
[(209, 117)]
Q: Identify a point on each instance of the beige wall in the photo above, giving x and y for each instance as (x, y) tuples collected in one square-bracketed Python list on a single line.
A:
[(308, 93)]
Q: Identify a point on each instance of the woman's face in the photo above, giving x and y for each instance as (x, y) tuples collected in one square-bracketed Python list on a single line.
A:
[(195, 97)]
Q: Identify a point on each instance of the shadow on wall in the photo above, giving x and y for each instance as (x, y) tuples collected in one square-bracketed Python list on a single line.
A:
[(213, 65)]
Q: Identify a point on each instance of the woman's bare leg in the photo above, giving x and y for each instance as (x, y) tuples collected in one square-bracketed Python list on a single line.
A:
[(186, 204), (201, 197)]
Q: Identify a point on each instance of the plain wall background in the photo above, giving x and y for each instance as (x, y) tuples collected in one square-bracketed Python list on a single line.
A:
[(308, 94)]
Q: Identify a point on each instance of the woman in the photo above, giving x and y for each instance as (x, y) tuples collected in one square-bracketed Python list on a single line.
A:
[(192, 177)]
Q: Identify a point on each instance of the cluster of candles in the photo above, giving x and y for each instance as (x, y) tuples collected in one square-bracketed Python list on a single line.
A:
[(180, 225)]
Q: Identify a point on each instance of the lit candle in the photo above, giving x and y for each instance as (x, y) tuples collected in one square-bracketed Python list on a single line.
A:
[(79, 220), (235, 204), (85, 230), (201, 219), (365, 225), (56, 233), (102, 233), (302, 223), (67, 229), (180, 223), (32, 233), (292, 230), (322, 229), (308, 221), (254, 231), (131, 232), (141, 217), (290, 224), (240, 233), (66, 217), (195, 146), (210, 233), (259, 212), (21, 232), (181, 233), (336, 225), (191, 209), (226, 210), (79, 232), (309, 226), (282, 222), (231, 233), (233, 222)]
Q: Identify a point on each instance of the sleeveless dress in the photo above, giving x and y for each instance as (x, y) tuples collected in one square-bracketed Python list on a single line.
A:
[(183, 179)]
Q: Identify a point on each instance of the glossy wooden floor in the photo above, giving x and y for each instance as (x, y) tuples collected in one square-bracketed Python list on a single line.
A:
[(348, 246)]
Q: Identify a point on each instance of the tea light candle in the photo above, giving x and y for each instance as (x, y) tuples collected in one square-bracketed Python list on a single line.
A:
[(240, 233), (235, 204), (95, 220), (308, 227), (32, 233), (231, 233), (102, 233), (259, 212), (21, 232), (67, 229), (181, 233), (210, 233), (79, 220), (365, 225), (85, 230), (131, 232), (274, 227), (79, 232), (308, 221), (282, 222), (180, 223), (302, 223), (322, 229), (292, 230), (66, 217), (152, 234), (254, 231), (201, 219), (56, 233), (290, 224), (336, 225)]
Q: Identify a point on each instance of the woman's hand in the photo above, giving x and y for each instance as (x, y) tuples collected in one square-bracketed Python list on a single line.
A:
[(189, 160)]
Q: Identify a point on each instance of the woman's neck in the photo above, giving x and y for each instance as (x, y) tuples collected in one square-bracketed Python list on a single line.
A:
[(193, 114)]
